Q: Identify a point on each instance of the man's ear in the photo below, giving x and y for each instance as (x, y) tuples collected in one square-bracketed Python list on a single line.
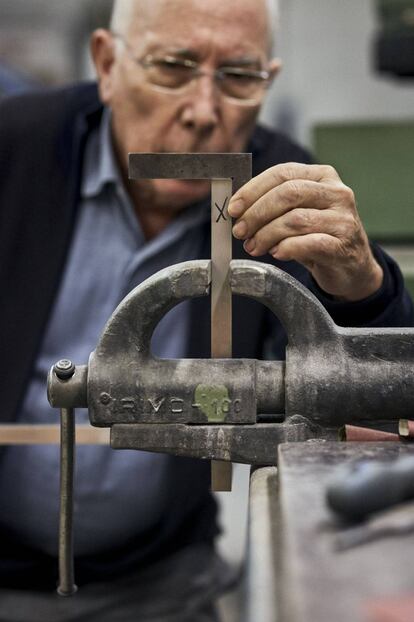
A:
[(275, 66), (102, 46)]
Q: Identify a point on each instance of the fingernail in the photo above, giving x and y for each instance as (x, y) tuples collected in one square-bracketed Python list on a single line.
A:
[(236, 208), (249, 245), (240, 230), (273, 251)]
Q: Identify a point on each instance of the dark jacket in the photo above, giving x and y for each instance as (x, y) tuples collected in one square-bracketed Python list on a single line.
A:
[(42, 139)]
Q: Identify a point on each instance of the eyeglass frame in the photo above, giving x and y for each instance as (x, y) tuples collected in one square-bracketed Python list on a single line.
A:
[(217, 74)]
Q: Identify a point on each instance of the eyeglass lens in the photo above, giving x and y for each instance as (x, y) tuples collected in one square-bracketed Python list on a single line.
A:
[(176, 75)]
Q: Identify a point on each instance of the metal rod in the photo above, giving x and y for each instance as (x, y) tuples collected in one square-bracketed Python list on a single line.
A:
[(221, 307), (67, 585)]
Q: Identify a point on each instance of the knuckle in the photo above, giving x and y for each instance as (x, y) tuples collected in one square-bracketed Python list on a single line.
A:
[(301, 219), (267, 207), (328, 170), (285, 171), (261, 212), (293, 191), (352, 224), (346, 195)]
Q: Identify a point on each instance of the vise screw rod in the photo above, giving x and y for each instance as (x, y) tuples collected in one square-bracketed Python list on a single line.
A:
[(64, 370), (67, 585)]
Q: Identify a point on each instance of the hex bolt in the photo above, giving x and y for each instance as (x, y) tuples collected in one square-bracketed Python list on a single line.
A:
[(64, 369)]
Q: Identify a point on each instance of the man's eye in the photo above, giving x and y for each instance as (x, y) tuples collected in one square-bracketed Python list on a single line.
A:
[(169, 72), (171, 64), (239, 76)]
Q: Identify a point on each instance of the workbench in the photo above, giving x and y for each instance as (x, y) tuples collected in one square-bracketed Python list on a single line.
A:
[(294, 571)]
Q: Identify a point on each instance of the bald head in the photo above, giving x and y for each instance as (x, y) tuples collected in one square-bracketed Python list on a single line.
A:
[(140, 12), (126, 11)]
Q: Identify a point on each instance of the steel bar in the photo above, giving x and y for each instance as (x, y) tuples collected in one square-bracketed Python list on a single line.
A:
[(66, 585), (235, 166), (221, 307), (40, 434)]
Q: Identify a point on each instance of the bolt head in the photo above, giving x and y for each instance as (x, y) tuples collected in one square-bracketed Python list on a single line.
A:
[(105, 398), (64, 369), (64, 364)]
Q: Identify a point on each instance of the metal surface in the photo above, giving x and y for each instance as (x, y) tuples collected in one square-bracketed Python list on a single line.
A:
[(221, 254), (124, 378), (248, 444), (221, 300), (235, 166), (334, 375), (66, 585), (64, 369), (316, 582), (260, 577), (69, 392)]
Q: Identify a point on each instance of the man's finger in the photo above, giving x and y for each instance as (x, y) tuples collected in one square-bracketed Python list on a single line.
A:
[(315, 248), (282, 199), (298, 222), (275, 176)]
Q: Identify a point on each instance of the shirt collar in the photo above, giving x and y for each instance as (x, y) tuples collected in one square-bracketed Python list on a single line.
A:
[(101, 167)]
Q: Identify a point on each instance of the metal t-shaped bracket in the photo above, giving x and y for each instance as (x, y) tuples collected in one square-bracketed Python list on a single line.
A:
[(227, 172)]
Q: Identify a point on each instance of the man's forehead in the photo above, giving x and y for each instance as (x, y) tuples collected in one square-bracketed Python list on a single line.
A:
[(183, 22), (154, 13)]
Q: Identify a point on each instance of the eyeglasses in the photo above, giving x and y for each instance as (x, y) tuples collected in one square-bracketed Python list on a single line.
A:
[(172, 74)]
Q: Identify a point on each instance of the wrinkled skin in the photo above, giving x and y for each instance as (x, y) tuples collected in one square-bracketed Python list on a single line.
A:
[(305, 213)]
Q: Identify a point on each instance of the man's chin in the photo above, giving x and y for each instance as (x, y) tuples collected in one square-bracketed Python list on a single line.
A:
[(178, 193)]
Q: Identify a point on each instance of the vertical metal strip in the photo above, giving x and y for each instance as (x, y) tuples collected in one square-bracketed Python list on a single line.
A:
[(67, 585), (221, 308)]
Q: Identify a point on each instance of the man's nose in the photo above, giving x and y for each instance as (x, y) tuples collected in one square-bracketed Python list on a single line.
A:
[(201, 111)]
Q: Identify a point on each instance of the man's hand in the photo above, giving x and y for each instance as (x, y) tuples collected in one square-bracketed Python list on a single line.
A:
[(305, 213)]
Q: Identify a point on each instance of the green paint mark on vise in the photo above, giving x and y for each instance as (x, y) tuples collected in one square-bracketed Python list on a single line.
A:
[(213, 401)]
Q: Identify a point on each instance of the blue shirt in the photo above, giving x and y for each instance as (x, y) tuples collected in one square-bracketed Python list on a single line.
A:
[(108, 257)]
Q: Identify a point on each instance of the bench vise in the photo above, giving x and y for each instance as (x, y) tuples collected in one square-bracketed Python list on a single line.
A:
[(237, 409)]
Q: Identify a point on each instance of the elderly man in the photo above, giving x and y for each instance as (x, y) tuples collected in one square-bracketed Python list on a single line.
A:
[(77, 235)]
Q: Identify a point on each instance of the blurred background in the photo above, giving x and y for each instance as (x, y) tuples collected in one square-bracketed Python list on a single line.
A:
[(346, 91)]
